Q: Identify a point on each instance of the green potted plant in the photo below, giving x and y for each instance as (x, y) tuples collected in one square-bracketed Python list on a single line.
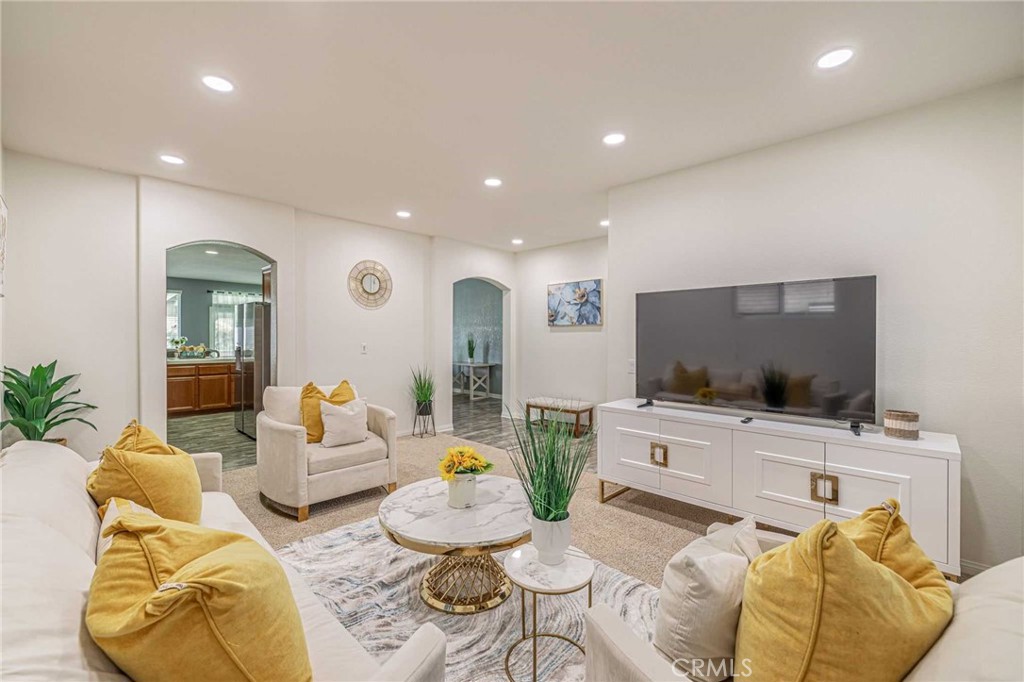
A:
[(471, 347), (33, 403), (423, 391), (549, 462), (774, 384)]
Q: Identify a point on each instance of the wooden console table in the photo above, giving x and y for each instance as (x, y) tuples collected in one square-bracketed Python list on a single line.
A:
[(475, 380)]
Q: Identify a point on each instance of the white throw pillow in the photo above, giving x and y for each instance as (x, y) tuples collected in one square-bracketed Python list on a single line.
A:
[(344, 424), (700, 600)]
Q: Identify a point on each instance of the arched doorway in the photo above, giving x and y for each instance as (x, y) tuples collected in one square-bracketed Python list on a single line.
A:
[(221, 346), (481, 359)]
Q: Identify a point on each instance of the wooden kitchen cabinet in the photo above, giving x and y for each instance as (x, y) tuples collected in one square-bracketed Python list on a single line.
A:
[(202, 387)]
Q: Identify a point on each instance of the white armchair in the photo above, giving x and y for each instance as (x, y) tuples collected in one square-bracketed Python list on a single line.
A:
[(296, 474)]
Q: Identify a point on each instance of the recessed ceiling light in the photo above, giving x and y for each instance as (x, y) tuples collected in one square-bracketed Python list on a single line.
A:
[(613, 139), (403, 214), (493, 182), (217, 83), (211, 252), (605, 222), (517, 241), (172, 159), (831, 60)]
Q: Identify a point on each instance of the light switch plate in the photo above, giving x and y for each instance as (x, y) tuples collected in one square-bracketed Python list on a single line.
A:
[(362, 348), (631, 367)]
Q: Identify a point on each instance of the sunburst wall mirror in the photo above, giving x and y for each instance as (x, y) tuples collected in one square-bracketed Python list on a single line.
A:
[(369, 284)]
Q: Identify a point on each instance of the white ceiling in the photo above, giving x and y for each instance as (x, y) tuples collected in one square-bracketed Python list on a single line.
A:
[(359, 110), (230, 264)]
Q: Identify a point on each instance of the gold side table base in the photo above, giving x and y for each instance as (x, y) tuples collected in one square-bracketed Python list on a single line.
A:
[(465, 584), (534, 635)]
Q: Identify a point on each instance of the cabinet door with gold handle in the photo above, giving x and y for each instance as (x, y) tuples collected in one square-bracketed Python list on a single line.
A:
[(824, 488)]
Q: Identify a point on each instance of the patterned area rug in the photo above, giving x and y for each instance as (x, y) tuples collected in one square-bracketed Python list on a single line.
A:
[(371, 586)]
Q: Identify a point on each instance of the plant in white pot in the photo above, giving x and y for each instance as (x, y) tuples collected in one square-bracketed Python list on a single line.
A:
[(550, 463), (460, 467)]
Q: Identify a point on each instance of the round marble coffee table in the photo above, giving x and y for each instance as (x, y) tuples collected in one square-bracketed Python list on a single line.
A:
[(572, 575), (467, 579)]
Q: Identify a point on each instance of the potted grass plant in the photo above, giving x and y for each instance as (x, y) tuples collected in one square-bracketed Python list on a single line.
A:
[(549, 462), (33, 403), (471, 347), (423, 391), (774, 385)]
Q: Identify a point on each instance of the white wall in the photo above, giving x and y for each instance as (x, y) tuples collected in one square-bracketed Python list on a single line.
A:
[(332, 327), (171, 214), (450, 262), (70, 287), (930, 200), (567, 362)]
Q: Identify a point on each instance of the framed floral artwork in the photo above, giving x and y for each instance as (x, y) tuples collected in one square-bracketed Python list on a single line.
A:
[(575, 304)]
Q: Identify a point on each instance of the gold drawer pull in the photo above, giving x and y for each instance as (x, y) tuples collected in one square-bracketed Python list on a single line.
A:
[(657, 460), (824, 488)]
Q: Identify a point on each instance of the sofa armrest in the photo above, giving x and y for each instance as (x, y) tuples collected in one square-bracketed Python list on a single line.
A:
[(281, 470), (210, 467), (616, 654), (421, 658), (384, 423)]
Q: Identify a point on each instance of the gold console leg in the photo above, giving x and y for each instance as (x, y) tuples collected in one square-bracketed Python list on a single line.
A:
[(604, 498)]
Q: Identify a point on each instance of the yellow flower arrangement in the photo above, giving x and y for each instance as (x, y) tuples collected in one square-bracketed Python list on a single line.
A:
[(463, 460)]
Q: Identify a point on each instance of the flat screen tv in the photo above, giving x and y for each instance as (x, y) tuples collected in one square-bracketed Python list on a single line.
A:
[(795, 348)]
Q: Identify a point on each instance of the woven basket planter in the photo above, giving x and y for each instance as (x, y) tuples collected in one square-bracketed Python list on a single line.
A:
[(901, 424)]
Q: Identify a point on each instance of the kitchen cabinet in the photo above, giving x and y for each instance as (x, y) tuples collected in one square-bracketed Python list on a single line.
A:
[(200, 387)]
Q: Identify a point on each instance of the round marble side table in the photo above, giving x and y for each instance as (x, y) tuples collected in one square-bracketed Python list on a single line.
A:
[(525, 570)]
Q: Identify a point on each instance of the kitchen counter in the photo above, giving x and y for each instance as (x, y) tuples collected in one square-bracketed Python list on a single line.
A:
[(203, 361)]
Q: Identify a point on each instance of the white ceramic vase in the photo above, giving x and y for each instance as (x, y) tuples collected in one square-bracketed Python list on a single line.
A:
[(462, 491), (551, 538)]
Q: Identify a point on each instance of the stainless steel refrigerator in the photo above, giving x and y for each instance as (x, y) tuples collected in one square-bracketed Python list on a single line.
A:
[(252, 363)]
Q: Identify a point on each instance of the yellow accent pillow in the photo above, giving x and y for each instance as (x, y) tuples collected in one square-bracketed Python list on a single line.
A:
[(821, 608), (138, 438), (110, 512), (687, 382), (309, 406), (174, 601), (167, 484), (798, 390)]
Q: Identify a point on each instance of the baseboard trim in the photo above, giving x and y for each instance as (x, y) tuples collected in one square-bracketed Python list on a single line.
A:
[(446, 428), (972, 567)]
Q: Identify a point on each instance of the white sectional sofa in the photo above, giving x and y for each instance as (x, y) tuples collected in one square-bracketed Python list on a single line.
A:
[(984, 641), (49, 528)]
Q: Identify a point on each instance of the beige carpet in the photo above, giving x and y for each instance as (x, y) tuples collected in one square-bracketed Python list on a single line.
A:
[(637, 532)]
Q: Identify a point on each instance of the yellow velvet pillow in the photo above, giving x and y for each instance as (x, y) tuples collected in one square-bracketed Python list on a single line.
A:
[(821, 608), (137, 438), (174, 601), (167, 484), (798, 390), (309, 406), (687, 382)]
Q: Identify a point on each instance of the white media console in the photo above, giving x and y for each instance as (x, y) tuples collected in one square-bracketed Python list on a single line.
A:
[(788, 475)]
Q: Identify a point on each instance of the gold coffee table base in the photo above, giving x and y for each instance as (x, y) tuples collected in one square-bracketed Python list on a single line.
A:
[(465, 584)]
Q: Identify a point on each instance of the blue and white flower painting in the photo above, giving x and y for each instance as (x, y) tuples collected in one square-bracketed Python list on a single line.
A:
[(575, 304)]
